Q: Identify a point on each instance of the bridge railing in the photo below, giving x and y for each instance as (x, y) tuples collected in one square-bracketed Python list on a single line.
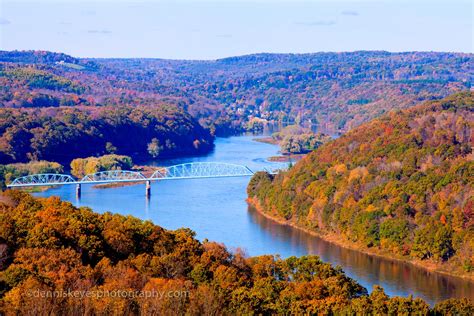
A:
[(181, 171), (114, 176), (201, 170), (43, 179)]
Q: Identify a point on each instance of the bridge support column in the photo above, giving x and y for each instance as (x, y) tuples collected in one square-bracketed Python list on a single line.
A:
[(148, 189), (78, 190)]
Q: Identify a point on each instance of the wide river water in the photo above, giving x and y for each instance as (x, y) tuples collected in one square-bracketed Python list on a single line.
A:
[(216, 209)]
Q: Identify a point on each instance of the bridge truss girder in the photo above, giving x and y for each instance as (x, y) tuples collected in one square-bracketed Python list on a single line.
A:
[(201, 170), (43, 179), (182, 171), (113, 176)]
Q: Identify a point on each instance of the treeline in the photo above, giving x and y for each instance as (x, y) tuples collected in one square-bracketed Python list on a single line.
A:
[(302, 144), (62, 134), (39, 79), (10, 172), (50, 246), (338, 91), (402, 185), (335, 90), (84, 166), (39, 57), (294, 139), (79, 167)]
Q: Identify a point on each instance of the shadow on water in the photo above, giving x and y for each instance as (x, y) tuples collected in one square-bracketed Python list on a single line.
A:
[(397, 278)]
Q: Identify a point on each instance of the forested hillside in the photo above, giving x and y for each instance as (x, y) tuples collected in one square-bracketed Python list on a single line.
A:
[(64, 133), (401, 185), (337, 91), (56, 259)]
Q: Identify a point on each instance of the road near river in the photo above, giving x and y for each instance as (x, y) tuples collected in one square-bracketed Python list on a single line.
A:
[(216, 209)]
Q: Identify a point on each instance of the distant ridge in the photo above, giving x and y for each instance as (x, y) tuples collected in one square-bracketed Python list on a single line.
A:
[(334, 91)]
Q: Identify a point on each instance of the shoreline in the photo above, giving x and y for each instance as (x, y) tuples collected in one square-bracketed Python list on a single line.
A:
[(266, 140), (337, 241), (286, 158), (117, 184)]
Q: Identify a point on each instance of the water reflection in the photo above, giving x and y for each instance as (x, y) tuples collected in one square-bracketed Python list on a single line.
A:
[(147, 208), (397, 278), (216, 209)]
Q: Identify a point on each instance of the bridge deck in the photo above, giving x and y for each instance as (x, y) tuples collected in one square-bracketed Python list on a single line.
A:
[(198, 170)]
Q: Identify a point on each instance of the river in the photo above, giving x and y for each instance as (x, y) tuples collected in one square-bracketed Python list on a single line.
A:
[(216, 209)]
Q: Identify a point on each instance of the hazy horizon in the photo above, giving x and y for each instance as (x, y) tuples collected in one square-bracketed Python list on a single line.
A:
[(208, 30), (232, 56)]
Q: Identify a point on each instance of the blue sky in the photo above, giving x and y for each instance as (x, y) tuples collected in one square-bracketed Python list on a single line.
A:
[(185, 29)]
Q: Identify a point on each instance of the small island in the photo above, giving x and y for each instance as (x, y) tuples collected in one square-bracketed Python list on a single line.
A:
[(295, 142)]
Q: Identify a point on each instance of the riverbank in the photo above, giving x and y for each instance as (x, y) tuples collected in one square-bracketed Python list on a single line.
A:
[(38, 189), (338, 240), (116, 185), (267, 140), (216, 210), (286, 158), (279, 158)]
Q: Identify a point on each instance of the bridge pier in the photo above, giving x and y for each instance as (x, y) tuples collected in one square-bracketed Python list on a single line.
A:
[(78, 190), (148, 189)]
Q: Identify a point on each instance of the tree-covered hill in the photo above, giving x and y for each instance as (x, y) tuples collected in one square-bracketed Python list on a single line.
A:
[(56, 259), (401, 185), (36, 57), (62, 134), (335, 90)]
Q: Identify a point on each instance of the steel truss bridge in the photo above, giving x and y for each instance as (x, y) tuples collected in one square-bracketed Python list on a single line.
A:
[(195, 170)]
